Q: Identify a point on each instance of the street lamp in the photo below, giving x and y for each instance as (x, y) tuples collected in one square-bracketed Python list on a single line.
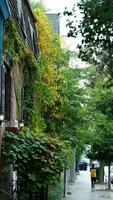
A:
[(21, 123), (1, 118)]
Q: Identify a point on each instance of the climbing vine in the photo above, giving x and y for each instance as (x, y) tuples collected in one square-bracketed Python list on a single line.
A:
[(35, 155), (53, 57), (32, 85)]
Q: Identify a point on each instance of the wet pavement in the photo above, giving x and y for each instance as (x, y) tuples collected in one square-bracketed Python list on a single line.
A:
[(81, 189)]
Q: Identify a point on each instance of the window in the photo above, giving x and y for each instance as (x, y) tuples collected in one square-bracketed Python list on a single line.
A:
[(22, 23), (33, 37), (2, 89), (21, 17), (5, 91)]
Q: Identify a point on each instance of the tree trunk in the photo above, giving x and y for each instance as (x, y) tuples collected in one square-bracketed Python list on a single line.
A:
[(72, 169), (109, 182), (101, 172)]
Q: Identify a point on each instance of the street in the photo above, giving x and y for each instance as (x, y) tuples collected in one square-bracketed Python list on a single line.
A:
[(81, 189)]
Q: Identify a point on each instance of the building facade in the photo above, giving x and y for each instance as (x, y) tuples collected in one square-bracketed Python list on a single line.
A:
[(11, 78)]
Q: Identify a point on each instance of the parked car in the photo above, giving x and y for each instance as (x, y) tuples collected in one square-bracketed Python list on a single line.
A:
[(111, 175), (83, 166)]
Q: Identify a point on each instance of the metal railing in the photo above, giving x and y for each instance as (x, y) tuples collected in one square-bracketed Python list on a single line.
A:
[(13, 195)]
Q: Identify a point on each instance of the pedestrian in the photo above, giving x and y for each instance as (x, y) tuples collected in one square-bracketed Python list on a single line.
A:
[(93, 176)]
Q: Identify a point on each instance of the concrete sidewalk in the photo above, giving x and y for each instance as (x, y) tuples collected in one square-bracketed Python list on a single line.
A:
[(81, 189)]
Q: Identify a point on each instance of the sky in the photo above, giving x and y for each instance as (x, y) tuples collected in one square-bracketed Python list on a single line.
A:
[(57, 5)]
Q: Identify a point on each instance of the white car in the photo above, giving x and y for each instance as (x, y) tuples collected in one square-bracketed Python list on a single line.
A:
[(111, 175), (106, 174)]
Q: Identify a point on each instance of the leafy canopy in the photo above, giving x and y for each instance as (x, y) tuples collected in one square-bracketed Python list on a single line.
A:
[(96, 29), (100, 132)]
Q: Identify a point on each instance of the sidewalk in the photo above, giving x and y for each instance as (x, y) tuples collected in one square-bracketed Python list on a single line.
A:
[(81, 189)]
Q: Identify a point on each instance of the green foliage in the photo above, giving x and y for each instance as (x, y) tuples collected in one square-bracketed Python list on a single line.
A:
[(105, 102), (33, 88), (74, 120), (24, 58), (52, 58), (52, 104), (39, 159), (36, 5), (13, 46), (55, 192), (101, 131), (101, 143), (12, 43), (54, 108), (95, 27)]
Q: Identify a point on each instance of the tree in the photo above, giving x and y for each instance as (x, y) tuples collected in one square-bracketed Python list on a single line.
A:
[(74, 122), (52, 57), (96, 47), (96, 29), (101, 134)]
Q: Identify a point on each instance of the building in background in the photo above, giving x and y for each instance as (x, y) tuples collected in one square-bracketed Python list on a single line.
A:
[(55, 21)]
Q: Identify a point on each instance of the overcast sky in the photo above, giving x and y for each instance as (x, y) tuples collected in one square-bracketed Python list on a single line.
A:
[(57, 5)]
